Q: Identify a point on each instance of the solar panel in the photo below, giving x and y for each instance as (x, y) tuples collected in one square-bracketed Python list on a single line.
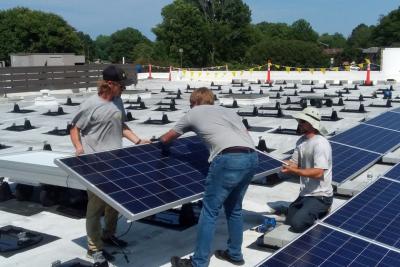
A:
[(389, 120), (396, 110), (370, 138), (374, 213), (323, 246), (348, 162), (138, 181), (394, 173)]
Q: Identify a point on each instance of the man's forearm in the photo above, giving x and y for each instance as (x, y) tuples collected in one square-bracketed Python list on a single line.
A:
[(76, 140), (169, 136), (313, 173)]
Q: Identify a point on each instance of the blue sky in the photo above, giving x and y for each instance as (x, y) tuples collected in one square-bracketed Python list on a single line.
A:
[(97, 17)]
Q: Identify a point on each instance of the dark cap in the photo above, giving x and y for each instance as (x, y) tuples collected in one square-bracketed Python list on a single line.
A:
[(116, 74)]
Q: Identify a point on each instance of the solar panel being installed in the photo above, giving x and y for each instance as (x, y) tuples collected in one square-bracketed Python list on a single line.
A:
[(374, 213), (389, 120), (348, 162), (394, 173), (370, 138), (323, 246), (139, 181)]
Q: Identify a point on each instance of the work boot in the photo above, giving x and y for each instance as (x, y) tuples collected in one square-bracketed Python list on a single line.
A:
[(114, 241), (178, 262), (223, 255), (105, 254)]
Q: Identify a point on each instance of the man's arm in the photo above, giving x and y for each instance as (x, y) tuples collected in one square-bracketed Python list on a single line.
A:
[(76, 140), (169, 136), (131, 136), (314, 173)]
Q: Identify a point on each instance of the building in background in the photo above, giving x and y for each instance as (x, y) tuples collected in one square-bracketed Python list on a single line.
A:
[(46, 59)]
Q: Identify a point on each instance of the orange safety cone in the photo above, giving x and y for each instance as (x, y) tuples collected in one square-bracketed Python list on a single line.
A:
[(368, 79), (170, 74), (268, 74), (149, 72)]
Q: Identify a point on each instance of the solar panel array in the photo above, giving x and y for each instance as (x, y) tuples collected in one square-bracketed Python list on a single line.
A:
[(323, 246), (389, 120), (365, 231), (370, 138), (366, 143), (350, 161), (394, 173), (396, 110), (139, 181), (374, 213)]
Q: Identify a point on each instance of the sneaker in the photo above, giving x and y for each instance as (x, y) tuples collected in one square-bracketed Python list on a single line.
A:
[(114, 241), (106, 255), (178, 262), (223, 255)]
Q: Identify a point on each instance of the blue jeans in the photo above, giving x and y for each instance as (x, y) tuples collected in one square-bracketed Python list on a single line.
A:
[(304, 211), (227, 181)]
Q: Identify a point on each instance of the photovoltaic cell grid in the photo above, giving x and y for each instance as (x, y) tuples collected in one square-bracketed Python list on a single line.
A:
[(138, 181), (394, 173), (396, 110), (370, 138), (374, 213), (390, 120), (323, 246), (349, 162)]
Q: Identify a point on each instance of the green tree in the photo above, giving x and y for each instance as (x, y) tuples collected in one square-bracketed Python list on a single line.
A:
[(123, 44), (387, 32), (350, 54), (24, 30), (335, 40), (230, 30), (144, 53), (273, 31), (209, 32), (293, 53), (88, 46), (183, 27), (103, 44), (302, 30), (361, 36)]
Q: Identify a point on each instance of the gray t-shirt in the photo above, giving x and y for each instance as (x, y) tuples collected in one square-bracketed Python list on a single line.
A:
[(100, 122), (315, 152), (217, 126)]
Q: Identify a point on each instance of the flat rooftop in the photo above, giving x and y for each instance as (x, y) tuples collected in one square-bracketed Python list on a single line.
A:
[(151, 245)]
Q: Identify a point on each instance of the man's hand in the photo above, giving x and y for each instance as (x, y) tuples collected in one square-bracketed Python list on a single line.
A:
[(144, 141), (292, 168), (79, 151), (289, 167), (163, 147)]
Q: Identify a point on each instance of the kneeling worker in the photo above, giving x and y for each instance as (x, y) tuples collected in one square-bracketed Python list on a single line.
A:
[(312, 161)]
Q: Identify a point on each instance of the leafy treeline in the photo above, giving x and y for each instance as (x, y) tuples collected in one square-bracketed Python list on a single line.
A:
[(207, 32)]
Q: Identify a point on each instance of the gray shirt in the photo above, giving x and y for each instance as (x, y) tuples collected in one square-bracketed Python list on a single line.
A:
[(100, 123), (217, 126), (315, 152)]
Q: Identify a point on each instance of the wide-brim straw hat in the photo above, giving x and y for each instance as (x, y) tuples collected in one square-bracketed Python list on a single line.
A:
[(312, 116)]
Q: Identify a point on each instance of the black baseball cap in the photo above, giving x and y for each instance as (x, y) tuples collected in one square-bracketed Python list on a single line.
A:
[(116, 74)]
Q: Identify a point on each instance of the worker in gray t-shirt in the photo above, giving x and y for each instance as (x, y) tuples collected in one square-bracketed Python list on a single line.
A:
[(233, 163), (312, 161), (99, 125)]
